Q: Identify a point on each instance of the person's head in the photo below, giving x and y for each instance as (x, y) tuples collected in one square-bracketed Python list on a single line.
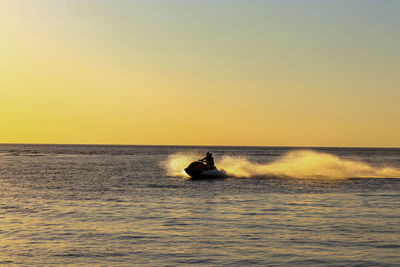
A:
[(209, 154)]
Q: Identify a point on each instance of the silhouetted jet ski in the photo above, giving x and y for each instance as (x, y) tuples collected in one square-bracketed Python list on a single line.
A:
[(199, 170)]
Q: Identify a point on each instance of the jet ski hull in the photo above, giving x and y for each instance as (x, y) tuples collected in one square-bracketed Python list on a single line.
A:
[(199, 170)]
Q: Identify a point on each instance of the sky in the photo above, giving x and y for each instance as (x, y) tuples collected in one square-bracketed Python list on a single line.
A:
[(200, 72)]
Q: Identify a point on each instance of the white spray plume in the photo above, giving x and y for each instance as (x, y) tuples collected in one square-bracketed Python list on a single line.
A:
[(301, 164)]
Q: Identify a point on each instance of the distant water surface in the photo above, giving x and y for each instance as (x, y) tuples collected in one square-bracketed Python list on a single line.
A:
[(131, 205)]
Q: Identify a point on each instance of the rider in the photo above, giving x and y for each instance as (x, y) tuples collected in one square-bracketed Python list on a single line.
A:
[(209, 161)]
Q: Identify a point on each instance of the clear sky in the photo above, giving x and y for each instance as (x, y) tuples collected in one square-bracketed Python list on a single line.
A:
[(205, 72)]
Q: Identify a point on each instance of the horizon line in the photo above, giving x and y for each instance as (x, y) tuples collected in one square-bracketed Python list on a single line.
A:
[(157, 145)]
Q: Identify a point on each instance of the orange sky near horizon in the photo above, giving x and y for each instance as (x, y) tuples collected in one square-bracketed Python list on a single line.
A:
[(268, 73)]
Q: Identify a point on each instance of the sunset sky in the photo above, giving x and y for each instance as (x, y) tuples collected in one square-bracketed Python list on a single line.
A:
[(205, 72)]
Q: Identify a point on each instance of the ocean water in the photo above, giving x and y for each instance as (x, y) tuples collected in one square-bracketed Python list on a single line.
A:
[(133, 206)]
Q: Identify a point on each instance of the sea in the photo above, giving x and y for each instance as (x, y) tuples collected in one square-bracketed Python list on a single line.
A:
[(100, 205)]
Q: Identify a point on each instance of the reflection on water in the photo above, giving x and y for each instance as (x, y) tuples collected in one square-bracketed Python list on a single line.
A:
[(99, 205)]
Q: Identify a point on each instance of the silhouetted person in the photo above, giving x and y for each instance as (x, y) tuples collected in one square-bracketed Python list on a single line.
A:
[(209, 161)]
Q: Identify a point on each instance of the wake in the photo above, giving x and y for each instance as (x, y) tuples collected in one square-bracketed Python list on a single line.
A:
[(301, 164)]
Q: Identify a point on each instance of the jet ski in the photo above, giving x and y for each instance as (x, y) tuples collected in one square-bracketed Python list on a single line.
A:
[(200, 170)]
